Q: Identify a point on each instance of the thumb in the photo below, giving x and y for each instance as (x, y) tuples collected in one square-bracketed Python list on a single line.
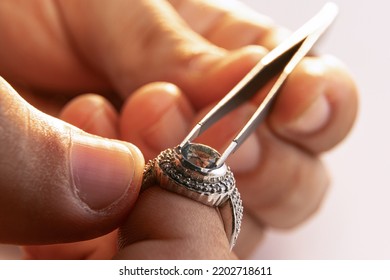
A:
[(58, 183)]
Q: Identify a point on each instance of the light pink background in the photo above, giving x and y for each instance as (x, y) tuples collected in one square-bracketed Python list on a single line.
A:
[(354, 221)]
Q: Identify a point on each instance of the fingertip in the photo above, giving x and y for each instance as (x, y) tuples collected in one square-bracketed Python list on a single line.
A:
[(318, 104), (341, 81), (304, 86), (93, 114), (155, 117), (343, 96)]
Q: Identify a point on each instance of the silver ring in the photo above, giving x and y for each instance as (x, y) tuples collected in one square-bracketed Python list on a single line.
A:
[(190, 171)]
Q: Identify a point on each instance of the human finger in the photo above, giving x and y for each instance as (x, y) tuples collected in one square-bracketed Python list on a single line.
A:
[(283, 181), (152, 43), (165, 225), (57, 181), (93, 114), (230, 24), (318, 105), (298, 129), (159, 114)]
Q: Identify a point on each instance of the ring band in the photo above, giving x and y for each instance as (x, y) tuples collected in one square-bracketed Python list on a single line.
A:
[(189, 171)]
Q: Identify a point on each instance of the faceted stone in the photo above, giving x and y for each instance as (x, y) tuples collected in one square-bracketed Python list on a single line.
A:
[(201, 156)]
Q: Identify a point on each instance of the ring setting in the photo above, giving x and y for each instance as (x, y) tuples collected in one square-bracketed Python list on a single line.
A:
[(191, 171)]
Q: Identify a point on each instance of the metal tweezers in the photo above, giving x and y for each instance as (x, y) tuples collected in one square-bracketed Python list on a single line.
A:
[(278, 63)]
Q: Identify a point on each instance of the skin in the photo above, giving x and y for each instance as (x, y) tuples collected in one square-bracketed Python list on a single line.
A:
[(199, 62)]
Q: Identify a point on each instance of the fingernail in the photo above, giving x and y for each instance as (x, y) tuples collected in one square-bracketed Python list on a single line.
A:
[(313, 118), (168, 130), (102, 124), (102, 117), (102, 170)]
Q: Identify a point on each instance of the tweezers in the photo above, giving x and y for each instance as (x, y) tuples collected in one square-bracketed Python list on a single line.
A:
[(277, 64)]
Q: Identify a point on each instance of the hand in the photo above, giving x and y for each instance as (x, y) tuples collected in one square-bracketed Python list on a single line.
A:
[(58, 49), (194, 65), (58, 183), (278, 169), (148, 233), (61, 184), (49, 61), (166, 115)]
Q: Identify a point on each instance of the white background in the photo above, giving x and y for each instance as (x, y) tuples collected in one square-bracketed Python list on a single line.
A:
[(280, 270), (354, 222)]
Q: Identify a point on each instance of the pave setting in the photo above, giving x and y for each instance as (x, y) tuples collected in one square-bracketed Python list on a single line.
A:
[(191, 172)]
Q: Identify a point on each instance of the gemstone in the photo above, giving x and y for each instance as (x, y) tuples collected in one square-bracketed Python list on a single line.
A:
[(200, 156)]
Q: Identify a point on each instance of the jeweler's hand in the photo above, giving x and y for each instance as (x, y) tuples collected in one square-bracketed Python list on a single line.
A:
[(58, 49), (85, 50), (278, 169), (161, 225), (192, 229), (58, 183)]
